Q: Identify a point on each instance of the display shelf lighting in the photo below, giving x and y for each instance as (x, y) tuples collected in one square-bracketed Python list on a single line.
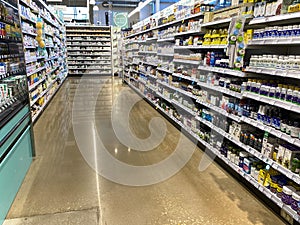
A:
[(140, 6)]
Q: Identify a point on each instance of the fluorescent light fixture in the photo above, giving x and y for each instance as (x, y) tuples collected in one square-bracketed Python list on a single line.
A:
[(92, 2), (140, 6)]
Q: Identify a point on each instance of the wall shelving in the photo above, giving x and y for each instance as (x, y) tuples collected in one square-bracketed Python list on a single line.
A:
[(46, 67), (16, 132), (81, 42), (220, 91)]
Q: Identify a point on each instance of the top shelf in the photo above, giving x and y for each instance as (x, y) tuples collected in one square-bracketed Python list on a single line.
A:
[(279, 19), (167, 24), (86, 26), (87, 31), (50, 11), (217, 22)]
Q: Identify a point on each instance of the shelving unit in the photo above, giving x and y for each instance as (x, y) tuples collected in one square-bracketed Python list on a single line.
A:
[(117, 43), (16, 135), (46, 67), (204, 98), (80, 57)]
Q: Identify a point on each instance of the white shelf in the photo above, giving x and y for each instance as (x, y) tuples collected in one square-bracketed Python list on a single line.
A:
[(87, 40), (190, 111), (90, 59), (271, 130), (29, 33), (218, 22), (219, 110), (151, 39), (87, 31), (149, 63), (40, 57), (87, 64), (164, 97), (87, 55), (275, 72), (27, 19), (90, 50), (272, 101), (166, 54), (164, 70), (69, 45), (186, 93), (201, 47), (278, 18), (33, 86), (31, 60), (221, 89), (144, 72), (193, 62), (167, 24), (232, 72), (188, 32), (104, 74), (277, 41), (185, 77), (147, 52), (45, 104), (35, 71), (135, 71), (102, 36), (133, 49), (142, 81), (101, 68), (28, 5), (165, 39)]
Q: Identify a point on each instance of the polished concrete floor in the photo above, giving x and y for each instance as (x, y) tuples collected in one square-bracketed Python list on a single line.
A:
[(62, 186)]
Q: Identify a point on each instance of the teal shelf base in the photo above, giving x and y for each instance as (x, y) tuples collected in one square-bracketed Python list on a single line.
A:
[(16, 161)]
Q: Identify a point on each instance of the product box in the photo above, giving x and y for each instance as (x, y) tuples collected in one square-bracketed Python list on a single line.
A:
[(288, 157), (285, 6), (247, 165), (278, 154), (267, 150), (264, 178), (208, 17)]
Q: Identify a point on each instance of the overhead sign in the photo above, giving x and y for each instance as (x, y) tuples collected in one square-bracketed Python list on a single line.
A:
[(120, 19)]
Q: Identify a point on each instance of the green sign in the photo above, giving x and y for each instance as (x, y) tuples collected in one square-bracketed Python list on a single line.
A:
[(120, 19)]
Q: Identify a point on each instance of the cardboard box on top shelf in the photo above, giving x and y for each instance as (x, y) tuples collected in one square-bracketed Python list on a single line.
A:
[(231, 11), (208, 17)]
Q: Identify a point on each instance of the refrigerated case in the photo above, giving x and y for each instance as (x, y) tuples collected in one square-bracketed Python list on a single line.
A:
[(16, 138)]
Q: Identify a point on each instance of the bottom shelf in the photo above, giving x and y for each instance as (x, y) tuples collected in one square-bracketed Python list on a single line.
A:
[(286, 209)]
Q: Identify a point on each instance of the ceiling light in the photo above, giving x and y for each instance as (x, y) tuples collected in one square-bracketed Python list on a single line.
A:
[(95, 8), (92, 2)]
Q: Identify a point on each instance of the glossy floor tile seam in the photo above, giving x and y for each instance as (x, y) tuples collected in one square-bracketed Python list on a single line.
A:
[(94, 208)]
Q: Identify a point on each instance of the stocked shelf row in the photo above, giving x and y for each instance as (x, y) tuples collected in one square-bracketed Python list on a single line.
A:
[(247, 83), (218, 154), (42, 108), (51, 55)]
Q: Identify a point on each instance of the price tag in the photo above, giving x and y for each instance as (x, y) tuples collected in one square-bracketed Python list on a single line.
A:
[(261, 188), (281, 104)]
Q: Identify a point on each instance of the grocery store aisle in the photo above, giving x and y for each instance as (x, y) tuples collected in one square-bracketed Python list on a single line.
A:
[(62, 188)]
